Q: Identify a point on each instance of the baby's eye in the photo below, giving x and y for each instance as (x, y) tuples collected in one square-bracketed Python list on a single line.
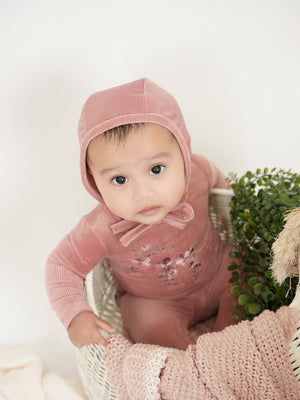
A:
[(157, 169), (119, 180)]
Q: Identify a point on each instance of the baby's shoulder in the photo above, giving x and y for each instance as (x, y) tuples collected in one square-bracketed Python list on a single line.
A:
[(199, 160), (99, 216), (200, 165)]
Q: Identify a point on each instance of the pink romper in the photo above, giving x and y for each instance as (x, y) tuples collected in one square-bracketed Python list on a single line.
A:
[(169, 275)]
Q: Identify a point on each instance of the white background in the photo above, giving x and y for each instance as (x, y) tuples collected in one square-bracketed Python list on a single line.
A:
[(233, 66)]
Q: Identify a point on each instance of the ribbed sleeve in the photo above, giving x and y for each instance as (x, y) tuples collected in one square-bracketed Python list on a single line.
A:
[(67, 266)]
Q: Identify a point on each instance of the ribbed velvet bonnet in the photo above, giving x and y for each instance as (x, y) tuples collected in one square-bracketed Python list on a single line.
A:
[(134, 102)]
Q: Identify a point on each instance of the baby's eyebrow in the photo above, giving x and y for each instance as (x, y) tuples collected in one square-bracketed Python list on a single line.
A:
[(163, 154), (106, 171)]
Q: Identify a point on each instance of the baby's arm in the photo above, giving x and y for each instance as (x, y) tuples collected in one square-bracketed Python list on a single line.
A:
[(67, 266)]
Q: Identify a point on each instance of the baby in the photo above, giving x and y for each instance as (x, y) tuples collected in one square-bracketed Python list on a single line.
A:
[(152, 223)]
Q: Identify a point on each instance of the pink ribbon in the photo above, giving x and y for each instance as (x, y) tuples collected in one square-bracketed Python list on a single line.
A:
[(177, 218)]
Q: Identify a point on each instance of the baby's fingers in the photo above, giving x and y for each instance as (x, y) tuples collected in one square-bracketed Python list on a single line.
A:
[(105, 326), (96, 337)]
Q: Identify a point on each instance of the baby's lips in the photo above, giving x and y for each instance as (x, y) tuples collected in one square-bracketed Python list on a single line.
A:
[(149, 210)]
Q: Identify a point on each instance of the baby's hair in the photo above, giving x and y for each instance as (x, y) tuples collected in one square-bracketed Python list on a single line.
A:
[(120, 133), (117, 134)]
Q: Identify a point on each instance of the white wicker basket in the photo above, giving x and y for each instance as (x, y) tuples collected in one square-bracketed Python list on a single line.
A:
[(100, 290)]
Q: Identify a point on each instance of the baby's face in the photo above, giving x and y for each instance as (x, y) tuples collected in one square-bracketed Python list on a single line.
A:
[(141, 179)]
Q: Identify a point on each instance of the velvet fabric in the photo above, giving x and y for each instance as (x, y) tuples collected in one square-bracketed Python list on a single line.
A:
[(181, 257)]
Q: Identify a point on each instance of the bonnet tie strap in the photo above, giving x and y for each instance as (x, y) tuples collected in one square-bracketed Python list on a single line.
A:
[(178, 218)]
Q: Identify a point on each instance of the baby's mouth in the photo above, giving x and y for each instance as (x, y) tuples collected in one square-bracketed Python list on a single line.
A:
[(147, 211)]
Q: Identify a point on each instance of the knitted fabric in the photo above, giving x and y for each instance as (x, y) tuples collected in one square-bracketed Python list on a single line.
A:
[(249, 361), (22, 378), (139, 365)]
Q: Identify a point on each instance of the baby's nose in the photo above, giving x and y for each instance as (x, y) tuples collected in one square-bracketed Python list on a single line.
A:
[(142, 191)]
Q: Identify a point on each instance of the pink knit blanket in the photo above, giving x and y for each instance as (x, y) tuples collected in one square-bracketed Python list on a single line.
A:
[(248, 361)]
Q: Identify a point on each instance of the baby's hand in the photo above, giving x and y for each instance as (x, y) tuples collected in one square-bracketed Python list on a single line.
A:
[(84, 329)]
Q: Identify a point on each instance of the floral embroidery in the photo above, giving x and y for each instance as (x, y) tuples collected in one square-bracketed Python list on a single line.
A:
[(166, 268), (195, 269), (147, 252), (146, 262), (189, 256)]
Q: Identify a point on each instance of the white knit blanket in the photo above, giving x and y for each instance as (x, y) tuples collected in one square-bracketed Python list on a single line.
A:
[(22, 378)]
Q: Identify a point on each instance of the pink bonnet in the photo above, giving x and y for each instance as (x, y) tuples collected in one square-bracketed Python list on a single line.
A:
[(134, 102)]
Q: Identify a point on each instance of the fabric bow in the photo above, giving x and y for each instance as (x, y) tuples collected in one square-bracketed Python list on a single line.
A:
[(178, 218)]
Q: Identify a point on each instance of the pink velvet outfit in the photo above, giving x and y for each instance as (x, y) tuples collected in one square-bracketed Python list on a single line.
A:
[(170, 275)]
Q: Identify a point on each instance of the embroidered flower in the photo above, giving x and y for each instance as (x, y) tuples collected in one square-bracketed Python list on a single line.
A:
[(146, 247), (166, 269), (145, 262), (147, 251), (195, 269), (187, 254), (180, 260)]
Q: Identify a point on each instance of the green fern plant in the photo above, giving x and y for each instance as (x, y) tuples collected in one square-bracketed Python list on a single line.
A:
[(260, 201)]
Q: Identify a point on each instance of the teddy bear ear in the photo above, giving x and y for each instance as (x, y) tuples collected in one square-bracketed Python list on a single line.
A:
[(286, 248)]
